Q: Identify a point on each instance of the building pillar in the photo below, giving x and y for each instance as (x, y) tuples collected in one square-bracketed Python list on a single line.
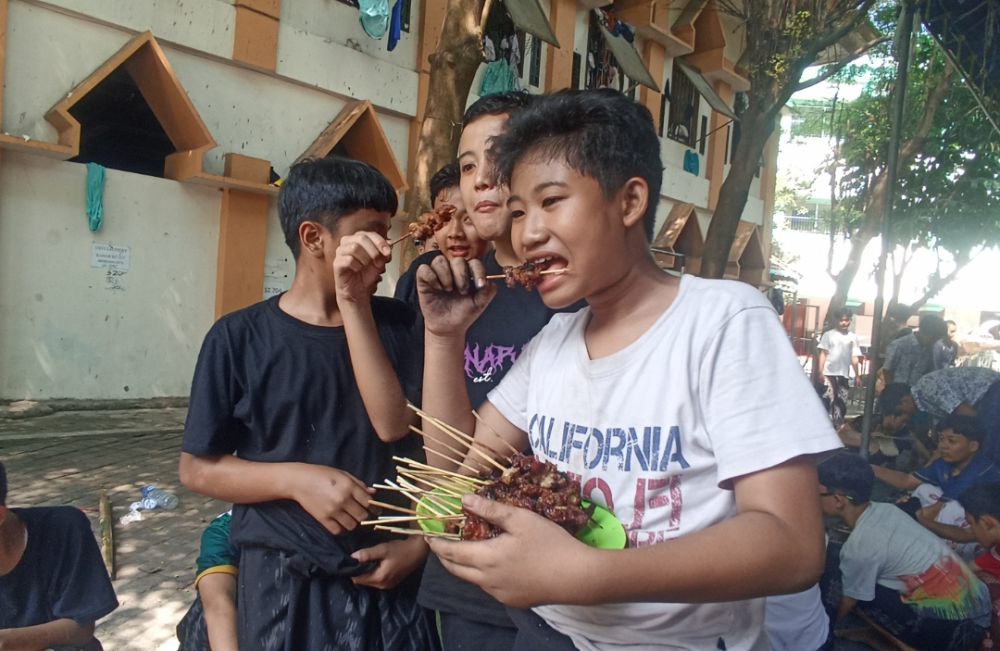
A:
[(719, 140), (255, 37), (239, 279), (559, 63)]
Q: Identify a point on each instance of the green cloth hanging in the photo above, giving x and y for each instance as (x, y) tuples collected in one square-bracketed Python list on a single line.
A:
[(95, 196), (497, 78)]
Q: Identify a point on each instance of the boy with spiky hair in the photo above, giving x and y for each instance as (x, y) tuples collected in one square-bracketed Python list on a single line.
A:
[(53, 584), (637, 396), (294, 404)]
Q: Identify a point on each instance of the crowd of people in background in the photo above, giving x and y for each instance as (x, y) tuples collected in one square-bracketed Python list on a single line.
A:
[(913, 502)]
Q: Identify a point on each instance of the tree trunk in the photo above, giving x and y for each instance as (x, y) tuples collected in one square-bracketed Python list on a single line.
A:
[(453, 66), (937, 284), (879, 194), (756, 128)]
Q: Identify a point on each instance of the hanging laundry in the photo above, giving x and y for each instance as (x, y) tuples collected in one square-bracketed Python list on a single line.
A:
[(498, 78), (95, 196), (515, 52), (395, 25), (691, 161), (489, 51), (374, 17)]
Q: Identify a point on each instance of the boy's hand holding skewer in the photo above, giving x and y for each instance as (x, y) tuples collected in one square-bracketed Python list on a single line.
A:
[(453, 293), (550, 573), (359, 265)]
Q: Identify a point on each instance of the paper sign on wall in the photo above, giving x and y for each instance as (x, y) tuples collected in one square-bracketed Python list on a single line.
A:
[(109, 256)]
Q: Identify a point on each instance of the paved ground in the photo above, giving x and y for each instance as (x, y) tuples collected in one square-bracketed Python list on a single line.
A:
[(69, 457)]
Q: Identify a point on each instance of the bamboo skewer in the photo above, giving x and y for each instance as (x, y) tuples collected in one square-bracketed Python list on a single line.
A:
[(400, 239), (433, 505), (419, 532), (392, 507), (495, 433), (459, 436), (461, 464), (547, 272), (445, 490), (431, 498), (413, 518), (439, 471)]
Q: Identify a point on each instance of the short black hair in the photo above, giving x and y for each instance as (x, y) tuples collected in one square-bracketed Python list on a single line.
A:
[(849, 474), (599, 133), (3, 485), (891, 397), (982, 499), (506, 103), (932, 326), (446, 177), (325, 189), (899, 313), (843, 313), (967, 426)]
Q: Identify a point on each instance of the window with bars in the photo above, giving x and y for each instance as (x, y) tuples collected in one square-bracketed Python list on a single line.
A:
[(684, 104), (603, 70)]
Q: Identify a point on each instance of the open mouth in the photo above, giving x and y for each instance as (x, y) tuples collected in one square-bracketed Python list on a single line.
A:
[(548, 263)]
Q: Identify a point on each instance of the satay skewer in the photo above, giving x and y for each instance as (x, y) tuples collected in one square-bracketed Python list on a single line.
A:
[(547, 272), (439, 471), (391, 507), (442, 489), (430, 497)]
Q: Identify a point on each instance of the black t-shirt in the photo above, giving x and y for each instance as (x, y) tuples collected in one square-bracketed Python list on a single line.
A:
[(494, 341), (272, 388), (61, 574)]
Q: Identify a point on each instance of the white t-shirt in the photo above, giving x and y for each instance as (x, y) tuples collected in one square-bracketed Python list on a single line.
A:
[(796, 622), (889, 548), (839, 347), (710, 392)]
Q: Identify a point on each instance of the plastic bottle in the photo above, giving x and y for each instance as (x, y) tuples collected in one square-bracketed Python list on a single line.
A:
[(153, 498)]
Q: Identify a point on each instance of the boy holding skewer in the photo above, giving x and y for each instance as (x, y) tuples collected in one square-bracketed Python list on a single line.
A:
[(308, 390), (636, 395), (471, 619)]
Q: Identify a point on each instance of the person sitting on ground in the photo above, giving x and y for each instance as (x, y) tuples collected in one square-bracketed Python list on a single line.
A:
[(53, 583), (937, 489), (896, 439), (839, 354), (968, 391), (982, 511), (909, 358), (896, 572), (210, 623)]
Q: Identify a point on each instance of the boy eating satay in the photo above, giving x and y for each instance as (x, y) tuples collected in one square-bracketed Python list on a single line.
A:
[(670, 398)]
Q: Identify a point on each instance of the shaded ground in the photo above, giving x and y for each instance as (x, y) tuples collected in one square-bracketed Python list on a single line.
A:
[(69, 458)]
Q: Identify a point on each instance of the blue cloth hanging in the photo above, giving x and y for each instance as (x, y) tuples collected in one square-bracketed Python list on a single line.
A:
[(374, 17), (691, 162), (95, 196), (395, 25)]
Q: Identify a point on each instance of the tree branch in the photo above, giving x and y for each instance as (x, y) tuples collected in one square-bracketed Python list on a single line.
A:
[(936, 285), (837, 67)]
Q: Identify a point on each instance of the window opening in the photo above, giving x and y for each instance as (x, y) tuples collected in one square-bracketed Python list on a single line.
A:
[(684, 105), (118, 128), (577, 63), (703, 135), (536, 61), (603, 70)]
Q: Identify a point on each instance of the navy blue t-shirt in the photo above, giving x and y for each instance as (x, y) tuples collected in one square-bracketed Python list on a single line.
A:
[(271, 388), (61, 574), (492, 344)]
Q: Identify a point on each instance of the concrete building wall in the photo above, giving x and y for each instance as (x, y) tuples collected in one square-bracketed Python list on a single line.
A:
[(71, 328)]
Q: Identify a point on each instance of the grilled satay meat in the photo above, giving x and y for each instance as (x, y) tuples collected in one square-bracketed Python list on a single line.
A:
[(534, 485), (431, 222), (527, 275)]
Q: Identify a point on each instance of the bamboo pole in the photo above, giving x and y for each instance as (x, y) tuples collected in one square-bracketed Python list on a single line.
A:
[(107, 533)]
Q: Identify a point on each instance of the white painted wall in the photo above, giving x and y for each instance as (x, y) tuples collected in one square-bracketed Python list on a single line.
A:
[(65, 332)]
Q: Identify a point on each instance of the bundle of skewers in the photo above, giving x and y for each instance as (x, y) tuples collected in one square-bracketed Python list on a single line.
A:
[(510, 478)]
